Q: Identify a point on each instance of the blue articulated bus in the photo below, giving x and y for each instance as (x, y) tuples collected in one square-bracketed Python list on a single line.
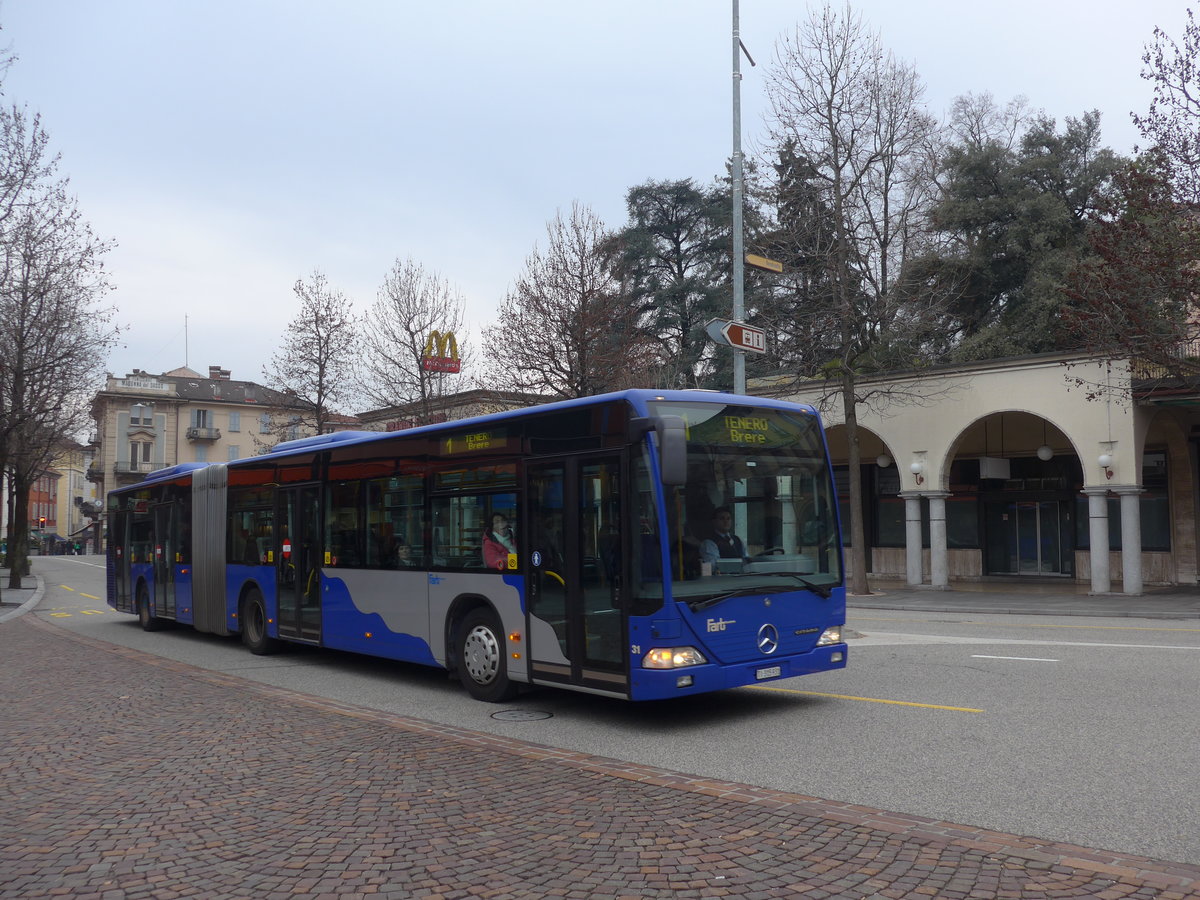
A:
[(640, 545)]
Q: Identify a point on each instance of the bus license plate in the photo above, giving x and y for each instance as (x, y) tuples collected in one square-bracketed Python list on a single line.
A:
[(770, 672)]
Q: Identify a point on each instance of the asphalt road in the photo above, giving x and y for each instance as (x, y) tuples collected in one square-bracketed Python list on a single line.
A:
[(1074, 729)]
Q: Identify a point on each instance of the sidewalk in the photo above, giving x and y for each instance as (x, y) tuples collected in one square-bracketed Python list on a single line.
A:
[(132, 776), (1050, 598), (14, 603)]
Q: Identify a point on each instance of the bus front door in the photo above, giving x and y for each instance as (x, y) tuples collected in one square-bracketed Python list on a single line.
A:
[(297, 562), (574, 567)]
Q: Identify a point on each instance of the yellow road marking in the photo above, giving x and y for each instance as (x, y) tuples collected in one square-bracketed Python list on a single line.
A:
[(61, 615), (762, 687), (65, 588), (1022, 624), (90, 596)]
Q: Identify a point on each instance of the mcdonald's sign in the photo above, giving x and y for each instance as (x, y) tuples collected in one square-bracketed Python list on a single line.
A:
[(445, 359)]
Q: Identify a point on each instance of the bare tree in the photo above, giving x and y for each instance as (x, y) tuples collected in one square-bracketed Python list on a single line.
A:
[(566, 330), (54, 331), (315, 365), (852, 121), (1172, 124), (413, 308), (1135, 296)]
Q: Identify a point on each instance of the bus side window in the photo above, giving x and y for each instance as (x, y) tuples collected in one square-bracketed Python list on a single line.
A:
[(342, 532)]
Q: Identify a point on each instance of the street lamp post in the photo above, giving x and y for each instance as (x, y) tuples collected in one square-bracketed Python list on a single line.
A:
[(739, 303)]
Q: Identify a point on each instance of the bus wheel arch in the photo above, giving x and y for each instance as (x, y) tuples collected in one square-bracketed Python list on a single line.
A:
[(252, 622), (476, 640)]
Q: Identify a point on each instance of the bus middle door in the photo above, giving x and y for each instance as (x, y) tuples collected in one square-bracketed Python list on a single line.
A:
[(165, 538), (297, 562)]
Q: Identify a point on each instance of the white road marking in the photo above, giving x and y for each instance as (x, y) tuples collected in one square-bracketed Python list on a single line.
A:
[(894, 638)]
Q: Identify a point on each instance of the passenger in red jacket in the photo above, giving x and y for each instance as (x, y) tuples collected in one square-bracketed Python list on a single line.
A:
[(498, 542)]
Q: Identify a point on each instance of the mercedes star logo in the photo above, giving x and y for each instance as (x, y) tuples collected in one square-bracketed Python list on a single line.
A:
[(768, 638)]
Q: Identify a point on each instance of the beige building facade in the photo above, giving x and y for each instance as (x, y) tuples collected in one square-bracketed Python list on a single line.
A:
[(147, 422), (1055, 467)]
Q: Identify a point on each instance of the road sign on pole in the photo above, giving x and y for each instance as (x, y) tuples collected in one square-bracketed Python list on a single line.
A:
[(737, 335), (761, 262)]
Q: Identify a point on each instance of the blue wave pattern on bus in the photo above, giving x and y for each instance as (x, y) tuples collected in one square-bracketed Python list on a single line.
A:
[(347, 626)]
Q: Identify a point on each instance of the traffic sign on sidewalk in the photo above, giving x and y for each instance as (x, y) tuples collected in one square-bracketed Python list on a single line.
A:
[(737, 335)]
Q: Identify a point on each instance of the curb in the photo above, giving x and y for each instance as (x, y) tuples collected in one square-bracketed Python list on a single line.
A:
[(38, 590)]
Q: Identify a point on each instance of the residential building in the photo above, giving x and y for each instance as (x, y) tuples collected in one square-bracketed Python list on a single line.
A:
[(147, 422), (77, 508), (62, 502), (1021, 468)]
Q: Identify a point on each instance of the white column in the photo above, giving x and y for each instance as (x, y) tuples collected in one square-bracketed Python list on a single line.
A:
[(1131, 539), (939, 568), (1098, 536), (912, 538)]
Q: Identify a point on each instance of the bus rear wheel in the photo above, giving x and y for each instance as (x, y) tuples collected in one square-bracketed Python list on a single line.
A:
[(482, 664), (146, 618), (253, 618)]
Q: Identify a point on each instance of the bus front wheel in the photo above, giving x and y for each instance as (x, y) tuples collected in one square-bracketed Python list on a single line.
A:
[(254, 625), (482, 665)]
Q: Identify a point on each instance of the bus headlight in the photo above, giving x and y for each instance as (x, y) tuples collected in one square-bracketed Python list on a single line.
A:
[(830, 636), (673, 658)]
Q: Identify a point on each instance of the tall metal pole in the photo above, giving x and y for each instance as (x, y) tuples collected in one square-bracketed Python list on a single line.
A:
[(739, 303)]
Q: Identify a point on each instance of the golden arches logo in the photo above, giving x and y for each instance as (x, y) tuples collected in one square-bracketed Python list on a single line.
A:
[(445, 359)]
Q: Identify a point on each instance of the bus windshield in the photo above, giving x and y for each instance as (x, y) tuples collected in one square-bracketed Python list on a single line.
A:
[(758, 511)]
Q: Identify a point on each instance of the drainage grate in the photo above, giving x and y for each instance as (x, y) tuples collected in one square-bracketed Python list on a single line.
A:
[(521, 715)]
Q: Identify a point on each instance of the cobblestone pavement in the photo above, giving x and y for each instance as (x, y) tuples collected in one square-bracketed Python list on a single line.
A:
[(130, 776)]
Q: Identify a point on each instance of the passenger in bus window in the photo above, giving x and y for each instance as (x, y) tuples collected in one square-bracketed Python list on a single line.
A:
[(249, 548), (498, 543), (722, 543)]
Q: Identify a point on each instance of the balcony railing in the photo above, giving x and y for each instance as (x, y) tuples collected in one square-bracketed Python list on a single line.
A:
[(203, 434), (138, 468)]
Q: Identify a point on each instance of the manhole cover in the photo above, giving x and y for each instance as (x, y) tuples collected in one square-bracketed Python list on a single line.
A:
[(520, 715)]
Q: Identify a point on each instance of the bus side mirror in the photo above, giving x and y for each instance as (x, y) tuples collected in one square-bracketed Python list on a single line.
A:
[(671, 432), (672, 449)]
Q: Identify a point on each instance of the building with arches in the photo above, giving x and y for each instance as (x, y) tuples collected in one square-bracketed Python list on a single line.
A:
[(1051, 466)]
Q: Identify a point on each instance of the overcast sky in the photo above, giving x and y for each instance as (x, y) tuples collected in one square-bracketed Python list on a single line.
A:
[(232, 146)]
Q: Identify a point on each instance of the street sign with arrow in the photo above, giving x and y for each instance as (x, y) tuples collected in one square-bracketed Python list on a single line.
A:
[(737, 335)]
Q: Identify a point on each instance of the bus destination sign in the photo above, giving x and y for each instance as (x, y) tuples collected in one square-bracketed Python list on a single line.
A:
[(474, 442)]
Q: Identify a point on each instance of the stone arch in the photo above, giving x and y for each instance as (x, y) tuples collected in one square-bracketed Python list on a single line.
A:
[(1029, 432), (871, 444)]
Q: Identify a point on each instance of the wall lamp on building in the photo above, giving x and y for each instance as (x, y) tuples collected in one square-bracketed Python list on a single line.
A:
[(1106, 462), (918, 469), (883, 460)]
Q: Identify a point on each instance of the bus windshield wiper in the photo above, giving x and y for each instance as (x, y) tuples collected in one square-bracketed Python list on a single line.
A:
[(823, 591), (697, 605)]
